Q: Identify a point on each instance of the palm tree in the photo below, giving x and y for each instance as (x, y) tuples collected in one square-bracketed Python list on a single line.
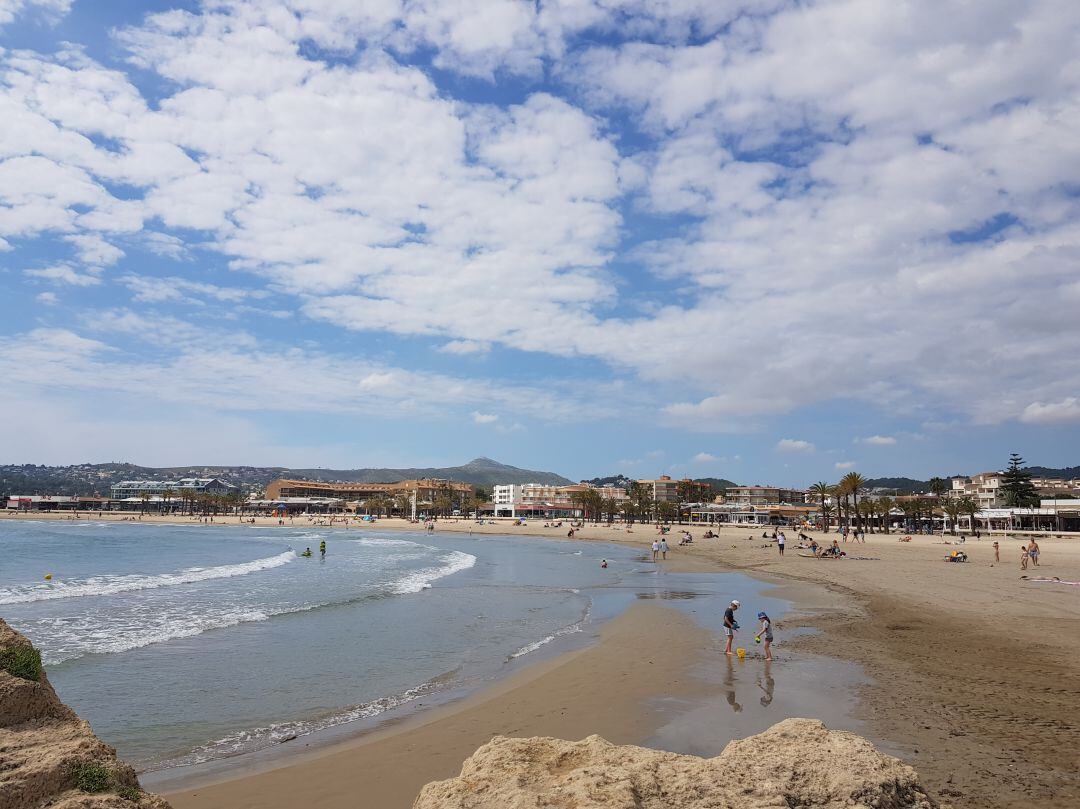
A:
[(826, 512), (823, 491), (843, 505), (938, 486), (167, 496), (145, 497), (970, 507), (885, 506), (611, 508), (953, 510), (855, 483), (403, 503)]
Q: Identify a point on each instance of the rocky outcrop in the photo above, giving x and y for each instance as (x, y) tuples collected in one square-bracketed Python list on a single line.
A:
[(48, 756), (798, 762)]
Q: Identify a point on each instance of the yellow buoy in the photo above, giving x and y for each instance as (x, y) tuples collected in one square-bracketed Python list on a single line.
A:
[(48, 577)]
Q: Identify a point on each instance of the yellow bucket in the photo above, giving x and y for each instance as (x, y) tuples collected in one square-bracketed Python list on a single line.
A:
[(741, 653)]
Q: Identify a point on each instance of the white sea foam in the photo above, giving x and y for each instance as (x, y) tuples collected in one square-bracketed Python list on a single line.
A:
[(246, 741), (417, 580), (566, 630), (111, 585)]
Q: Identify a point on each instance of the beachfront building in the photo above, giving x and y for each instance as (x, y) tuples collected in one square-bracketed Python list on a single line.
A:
[(984, 489), (664, 489), (421, 492), (546, 500), (56, 502), (127, 489), (764, 496)]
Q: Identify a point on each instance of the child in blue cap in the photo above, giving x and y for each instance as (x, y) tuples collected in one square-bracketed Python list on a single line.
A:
[(765, 632)]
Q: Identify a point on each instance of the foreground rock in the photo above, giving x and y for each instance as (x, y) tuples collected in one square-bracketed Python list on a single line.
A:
[(48, 756), (798, 762)]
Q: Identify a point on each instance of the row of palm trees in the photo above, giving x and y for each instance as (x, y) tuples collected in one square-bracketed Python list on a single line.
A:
[(872, 513), (639, 505), (186, 501)]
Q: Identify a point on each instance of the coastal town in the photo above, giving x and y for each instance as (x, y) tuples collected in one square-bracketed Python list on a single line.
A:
[(981, 502)]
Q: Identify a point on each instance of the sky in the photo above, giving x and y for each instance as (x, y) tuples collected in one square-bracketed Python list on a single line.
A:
[(768, 240)]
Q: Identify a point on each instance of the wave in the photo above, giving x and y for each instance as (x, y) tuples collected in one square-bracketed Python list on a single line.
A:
[(111, 585), (566, 630), (418, 580), (248, 741), (140, 630)]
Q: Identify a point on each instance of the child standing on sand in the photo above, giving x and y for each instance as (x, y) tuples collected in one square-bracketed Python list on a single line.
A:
[(1023, 557), (997, 551), (765, 632)]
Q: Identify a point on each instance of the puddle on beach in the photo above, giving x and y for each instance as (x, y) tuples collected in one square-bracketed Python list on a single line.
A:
[(748, 696)]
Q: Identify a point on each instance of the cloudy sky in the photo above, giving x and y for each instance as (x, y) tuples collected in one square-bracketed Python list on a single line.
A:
[(763, 239)]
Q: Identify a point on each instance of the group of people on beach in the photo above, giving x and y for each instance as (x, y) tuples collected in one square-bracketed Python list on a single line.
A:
[(731, 626)]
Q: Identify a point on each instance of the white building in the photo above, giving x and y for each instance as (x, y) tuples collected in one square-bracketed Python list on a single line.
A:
[(984, 489), (157, 488)]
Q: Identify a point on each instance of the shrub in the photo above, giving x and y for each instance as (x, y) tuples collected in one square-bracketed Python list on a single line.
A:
[(22, 661), (130, 793), (91, 776)]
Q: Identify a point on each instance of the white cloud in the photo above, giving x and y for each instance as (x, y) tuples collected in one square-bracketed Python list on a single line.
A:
[(704, 457), (148, 289), (464, 347), (794, 445), (63, 274), (47, 298), (92, 249), (52, 9), (381, 203), (879, 440), (1063, 412), (845, 464), (484, 418), (212, 368)]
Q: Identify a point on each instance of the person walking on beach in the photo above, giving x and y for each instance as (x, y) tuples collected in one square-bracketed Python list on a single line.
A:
[(780, 540), (1023, 557), (663, 548), (765, 633), (655, 549), (997, 551), (1033, 552), (731, 626)]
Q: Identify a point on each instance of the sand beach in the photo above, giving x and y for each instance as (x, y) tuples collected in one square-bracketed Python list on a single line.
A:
[(974, 671)]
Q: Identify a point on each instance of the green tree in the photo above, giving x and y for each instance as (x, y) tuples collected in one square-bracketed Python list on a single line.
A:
[(823, 491), (885, 505), (667, 511), (1016, 486), (938, 486), (854, 483), (970, 507), (953, 509)]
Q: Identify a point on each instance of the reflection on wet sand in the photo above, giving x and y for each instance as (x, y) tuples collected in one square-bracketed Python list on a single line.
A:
[(672, 595)]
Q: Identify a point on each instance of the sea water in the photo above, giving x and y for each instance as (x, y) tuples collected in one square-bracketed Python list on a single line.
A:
[(187, 643)]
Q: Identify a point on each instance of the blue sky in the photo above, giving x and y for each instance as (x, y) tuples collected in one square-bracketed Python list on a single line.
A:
[(758, 239)]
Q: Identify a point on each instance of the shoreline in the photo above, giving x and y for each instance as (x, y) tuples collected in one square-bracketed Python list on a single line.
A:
[(975, 672)]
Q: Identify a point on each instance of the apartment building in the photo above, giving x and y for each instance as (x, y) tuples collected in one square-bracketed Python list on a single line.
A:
[(665, 489), (158, 488), (757, 496), (984, 489), (425, 490)]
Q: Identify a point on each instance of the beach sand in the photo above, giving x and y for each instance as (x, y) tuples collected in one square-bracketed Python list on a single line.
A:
[(976, 672)]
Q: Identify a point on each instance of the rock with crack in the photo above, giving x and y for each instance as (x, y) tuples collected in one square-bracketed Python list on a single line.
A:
[(798, 762), (48, 755)]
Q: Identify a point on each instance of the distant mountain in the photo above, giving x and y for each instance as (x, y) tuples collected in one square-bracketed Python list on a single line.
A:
[(900, 485), (88, 479), (717, 483), (479, 472), (1067, 473), (623, 481)]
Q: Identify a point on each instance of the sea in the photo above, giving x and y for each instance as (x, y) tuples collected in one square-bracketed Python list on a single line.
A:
[(189, 643)]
